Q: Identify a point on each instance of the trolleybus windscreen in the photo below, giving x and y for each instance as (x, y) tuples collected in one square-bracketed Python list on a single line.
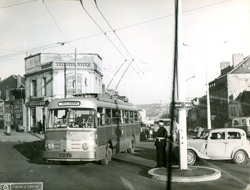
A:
[(74, 118)]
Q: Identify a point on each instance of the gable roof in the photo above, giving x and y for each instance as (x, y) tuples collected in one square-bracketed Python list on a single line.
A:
[(246, 94), (245, 60)]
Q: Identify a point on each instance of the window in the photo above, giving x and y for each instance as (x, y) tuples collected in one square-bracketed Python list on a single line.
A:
[(33, 88), (44, 93), (108, 116), (233, 135), (126, 116), (100, 116), (218, 136)]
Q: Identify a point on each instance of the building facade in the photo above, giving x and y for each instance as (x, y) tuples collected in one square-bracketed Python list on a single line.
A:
[(50, 76), (226, 88), (12, 94), (197, 116)]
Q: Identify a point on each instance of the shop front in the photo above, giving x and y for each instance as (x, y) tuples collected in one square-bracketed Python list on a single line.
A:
[(36, 114)]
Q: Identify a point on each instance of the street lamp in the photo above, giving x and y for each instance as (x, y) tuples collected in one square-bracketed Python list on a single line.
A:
[(190, 78), (207, 87)]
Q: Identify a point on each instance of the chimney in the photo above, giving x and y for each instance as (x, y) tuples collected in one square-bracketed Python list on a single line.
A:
[(19, 81), (237, 58), (224, 65)]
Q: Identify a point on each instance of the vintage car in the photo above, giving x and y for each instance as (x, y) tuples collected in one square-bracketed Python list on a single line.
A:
[(219, 144)]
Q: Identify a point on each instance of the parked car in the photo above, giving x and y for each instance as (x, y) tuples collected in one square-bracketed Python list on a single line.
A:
[(218, 144)]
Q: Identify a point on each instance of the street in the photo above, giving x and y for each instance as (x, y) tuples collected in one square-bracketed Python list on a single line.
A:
[(21, 162)]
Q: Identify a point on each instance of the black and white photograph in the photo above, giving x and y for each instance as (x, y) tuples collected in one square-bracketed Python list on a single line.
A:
[(124, 94)]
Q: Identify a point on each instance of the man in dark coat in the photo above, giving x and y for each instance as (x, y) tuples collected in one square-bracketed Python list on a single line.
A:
[(160, 144)]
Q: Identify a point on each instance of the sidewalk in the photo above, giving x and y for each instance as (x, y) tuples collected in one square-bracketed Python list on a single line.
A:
[(20, 136)]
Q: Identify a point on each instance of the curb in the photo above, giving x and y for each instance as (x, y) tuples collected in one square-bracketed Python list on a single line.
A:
[(198, 178), (36, 136)]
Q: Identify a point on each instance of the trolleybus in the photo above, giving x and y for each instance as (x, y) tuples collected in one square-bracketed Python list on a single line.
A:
[(242, 123), (90, 127)]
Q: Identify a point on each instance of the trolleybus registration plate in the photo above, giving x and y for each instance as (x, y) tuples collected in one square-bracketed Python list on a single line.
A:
[(65, 155)]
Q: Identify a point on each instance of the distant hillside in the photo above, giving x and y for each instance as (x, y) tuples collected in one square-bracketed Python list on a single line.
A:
[(151, 109)]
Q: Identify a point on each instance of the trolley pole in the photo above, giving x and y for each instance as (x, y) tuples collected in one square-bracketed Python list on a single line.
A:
[(181, 94)]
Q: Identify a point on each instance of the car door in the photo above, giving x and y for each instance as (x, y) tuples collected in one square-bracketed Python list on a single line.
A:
[(216, 145), (233, 140)]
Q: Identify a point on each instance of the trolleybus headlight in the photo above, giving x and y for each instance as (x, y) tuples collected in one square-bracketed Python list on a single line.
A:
[(50, 146), (85, 146)]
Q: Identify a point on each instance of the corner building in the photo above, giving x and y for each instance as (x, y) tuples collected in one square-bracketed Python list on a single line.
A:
[(50, 76)]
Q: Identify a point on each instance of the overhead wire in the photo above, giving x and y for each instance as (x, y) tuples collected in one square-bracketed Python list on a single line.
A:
[(120, 40), (123, 74), (7, 6), (112, 29), (56, 23), (116, 73), (33, 49), (150, 92), (121, 28), (105, 34), (170, 15)]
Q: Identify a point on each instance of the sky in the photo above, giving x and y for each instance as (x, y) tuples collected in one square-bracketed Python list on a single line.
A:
[(139, 30)]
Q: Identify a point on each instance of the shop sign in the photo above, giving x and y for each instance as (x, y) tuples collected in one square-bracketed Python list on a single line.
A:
[(35, 103)]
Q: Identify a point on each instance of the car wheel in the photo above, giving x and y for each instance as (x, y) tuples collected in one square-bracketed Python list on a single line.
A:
[(191, 157), (240, 157), (132, 146), (108, 155)]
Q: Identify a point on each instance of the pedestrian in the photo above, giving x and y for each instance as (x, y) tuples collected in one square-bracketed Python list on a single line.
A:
[(160, 143), (199, 130)]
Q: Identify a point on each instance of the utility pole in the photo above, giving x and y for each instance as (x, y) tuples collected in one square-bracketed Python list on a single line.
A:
[(75, 71), (181, 94)]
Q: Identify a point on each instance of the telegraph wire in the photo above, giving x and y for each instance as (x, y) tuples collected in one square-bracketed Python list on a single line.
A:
[(105, 33)]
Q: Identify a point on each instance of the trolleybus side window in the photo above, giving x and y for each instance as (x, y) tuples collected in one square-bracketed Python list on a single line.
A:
[(100, 116), (108, 116), (136, 116), (131, 117), (126, 116)]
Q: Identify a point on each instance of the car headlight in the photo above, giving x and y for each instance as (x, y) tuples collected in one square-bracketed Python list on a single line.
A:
[(49, 146)]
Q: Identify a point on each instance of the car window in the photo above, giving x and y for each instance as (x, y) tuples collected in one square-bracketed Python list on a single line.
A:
[(217, 136), (234, 135), (243, 122)]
